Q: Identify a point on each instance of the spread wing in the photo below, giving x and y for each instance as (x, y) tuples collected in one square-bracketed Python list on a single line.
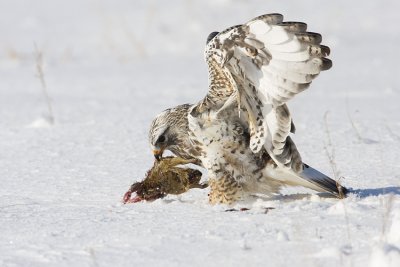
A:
[(261, 65)]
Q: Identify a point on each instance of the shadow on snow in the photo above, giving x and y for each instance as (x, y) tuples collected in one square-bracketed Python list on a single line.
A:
[(376, 191)]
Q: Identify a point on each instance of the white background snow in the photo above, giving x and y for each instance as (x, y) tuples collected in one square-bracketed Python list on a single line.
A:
[(111, 66)]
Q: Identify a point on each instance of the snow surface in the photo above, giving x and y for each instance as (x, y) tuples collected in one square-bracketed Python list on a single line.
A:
[(111, 66)]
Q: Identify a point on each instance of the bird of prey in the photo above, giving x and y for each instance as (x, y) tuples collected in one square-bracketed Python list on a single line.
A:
[(241, 131)]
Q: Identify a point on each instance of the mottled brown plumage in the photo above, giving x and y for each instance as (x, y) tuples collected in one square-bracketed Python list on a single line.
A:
[(164, 178)]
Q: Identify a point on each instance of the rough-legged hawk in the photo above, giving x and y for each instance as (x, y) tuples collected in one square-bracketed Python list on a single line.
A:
[(240, 132)]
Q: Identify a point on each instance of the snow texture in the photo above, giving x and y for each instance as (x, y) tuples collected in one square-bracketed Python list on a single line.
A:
[(111, 66)]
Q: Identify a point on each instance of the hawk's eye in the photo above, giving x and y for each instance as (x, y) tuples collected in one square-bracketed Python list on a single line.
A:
[(161, 139)]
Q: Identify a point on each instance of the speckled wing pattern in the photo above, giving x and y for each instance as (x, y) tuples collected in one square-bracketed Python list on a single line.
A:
[(263, 64)]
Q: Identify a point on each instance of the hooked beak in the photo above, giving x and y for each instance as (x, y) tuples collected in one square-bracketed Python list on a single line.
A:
[(158, 153)]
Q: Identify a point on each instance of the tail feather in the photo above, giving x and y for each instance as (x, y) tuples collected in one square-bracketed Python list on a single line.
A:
[(308, 177), (322, 183)]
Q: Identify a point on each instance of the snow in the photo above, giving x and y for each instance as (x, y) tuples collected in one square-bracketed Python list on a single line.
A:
[(111, 66)]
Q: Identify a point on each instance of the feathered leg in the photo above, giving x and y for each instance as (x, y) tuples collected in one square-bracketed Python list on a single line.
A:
[(224, 190)]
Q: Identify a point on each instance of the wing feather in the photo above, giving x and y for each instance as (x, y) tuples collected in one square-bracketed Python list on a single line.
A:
[(266, 61)]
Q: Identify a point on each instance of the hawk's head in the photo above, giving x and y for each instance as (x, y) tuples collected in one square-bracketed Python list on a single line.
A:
[(169, 131)]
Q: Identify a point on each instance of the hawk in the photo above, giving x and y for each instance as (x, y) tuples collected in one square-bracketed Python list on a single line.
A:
[(241, 131)]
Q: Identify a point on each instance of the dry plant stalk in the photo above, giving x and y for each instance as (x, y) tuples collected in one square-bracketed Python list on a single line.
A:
[(359, 137), (137, 44), (40, 75), (388, 205), (331, 153), (392, 134), (331, 156)]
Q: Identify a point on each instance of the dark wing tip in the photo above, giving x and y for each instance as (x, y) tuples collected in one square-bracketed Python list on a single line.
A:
[(309, 37), (293, 26), (325, 50), (273, 18), (326, 64), (211, 36)]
